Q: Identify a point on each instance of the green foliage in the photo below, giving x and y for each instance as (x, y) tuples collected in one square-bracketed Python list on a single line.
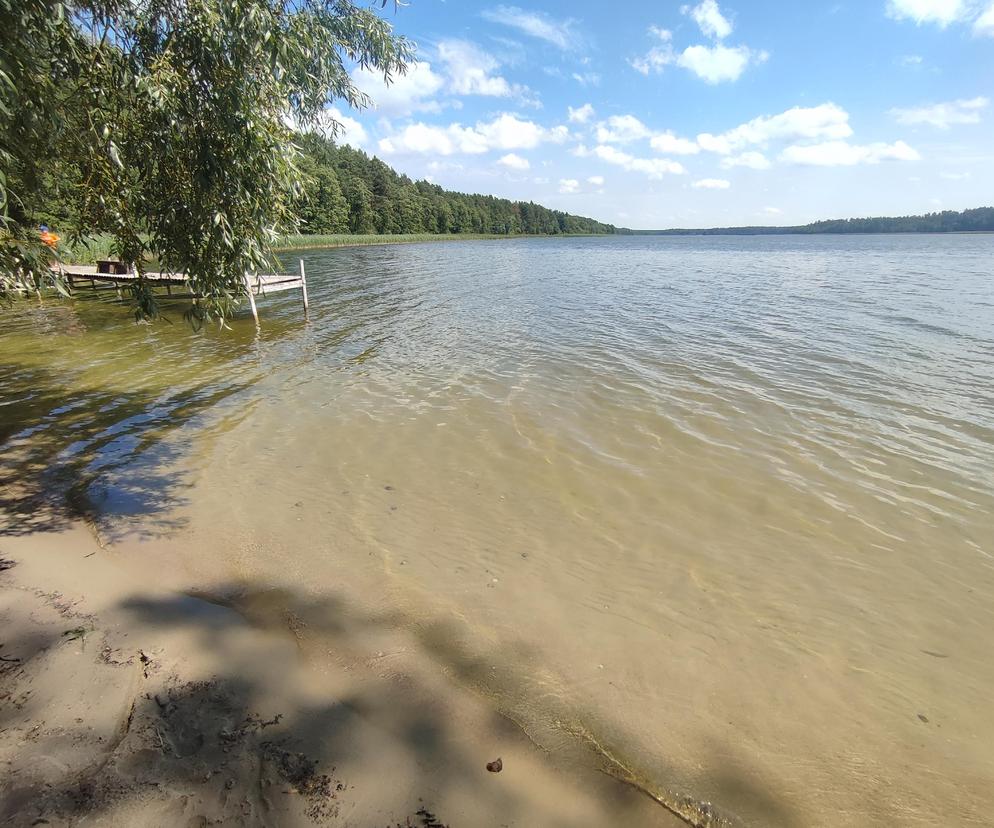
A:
[(379, 200), (169, 126), (37, 46), (323, 208), (87, 250), (360, 201)]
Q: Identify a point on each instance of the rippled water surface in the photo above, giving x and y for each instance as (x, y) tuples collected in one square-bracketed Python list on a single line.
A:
[(721, 509)]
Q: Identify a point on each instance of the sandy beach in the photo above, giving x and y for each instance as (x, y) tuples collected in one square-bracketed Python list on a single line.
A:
[(609, 530), (126, 703)]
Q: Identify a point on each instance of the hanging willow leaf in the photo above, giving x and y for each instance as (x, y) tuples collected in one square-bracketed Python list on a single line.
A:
[(171, 126)]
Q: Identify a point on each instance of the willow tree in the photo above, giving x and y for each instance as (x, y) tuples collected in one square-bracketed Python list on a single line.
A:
[(170, 125)]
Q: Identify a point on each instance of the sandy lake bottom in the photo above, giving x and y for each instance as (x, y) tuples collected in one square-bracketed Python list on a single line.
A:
[(675, 526)]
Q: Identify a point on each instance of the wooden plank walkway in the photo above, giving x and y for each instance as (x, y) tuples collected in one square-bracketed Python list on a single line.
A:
[(256, 284)]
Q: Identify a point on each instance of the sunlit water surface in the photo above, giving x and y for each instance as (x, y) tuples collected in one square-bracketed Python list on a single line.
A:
[(722, 508)]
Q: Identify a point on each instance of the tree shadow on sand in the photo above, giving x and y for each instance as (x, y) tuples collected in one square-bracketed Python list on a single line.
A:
[(98, 455), (403, 704), (193, 752)]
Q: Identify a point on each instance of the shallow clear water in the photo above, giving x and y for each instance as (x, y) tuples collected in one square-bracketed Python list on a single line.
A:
[(722, 508)]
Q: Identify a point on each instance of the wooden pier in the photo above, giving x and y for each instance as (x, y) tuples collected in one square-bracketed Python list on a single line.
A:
[(99, 277)]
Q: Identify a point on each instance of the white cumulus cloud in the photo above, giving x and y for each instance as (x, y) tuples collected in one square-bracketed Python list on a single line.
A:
[(581, 114), (943, 115), (826, 121), (983, 26), (668, 143), (946, 12), (426, 139), (621, 129), (596, 180), (510, 132), (715, 64), (504, 132), (569, 185), (407, 93), (342, 128), (624, 129), (651, 167), (844, 154), (708, 16), (472, 71), (514, 162), (712, 184), (942, 12)]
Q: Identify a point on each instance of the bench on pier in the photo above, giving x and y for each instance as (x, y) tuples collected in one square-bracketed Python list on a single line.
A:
[(108, 274)]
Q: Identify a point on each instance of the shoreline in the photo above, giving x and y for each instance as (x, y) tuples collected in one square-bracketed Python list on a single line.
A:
[(138, 704), (379, 240), (88, 253), (84, 255)]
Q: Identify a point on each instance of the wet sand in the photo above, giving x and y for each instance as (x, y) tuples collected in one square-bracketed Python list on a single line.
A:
[(125, 703)]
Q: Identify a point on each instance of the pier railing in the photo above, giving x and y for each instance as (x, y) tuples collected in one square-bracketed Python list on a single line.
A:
[(100, 277)]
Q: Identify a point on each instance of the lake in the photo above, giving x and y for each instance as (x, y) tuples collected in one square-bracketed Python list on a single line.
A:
[(715, 513)]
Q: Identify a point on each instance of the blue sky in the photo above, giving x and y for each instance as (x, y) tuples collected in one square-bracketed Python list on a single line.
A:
[(668, 114)]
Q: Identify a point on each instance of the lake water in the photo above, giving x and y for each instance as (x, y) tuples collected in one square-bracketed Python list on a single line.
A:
[(718, 512)]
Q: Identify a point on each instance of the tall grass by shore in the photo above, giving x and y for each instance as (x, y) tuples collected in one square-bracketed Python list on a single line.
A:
[(303, 242), (87, 252)]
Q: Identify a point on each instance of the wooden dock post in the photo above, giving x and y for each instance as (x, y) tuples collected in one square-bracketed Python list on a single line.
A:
[(255, 311), (303, 283), (256, 284)]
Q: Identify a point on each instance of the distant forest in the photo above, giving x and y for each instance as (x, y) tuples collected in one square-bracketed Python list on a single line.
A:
[(351, 192), (980, 219)]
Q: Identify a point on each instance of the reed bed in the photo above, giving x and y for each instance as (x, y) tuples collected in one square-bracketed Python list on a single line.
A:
[(302, 242)]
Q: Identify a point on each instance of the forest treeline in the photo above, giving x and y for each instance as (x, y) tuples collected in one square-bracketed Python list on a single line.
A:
[(352, 192), (980, 219), (348, 191)]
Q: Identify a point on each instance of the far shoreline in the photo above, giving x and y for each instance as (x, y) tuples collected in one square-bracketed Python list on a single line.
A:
[(380, 240), (323, 242), (786, 231)]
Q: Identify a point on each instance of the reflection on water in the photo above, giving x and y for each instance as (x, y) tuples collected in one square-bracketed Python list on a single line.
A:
[(88, 404), (721, 507)]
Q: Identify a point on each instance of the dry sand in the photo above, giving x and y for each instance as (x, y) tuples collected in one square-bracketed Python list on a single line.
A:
[(125, 703)]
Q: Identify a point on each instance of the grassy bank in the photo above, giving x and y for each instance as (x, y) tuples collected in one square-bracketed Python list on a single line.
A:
[(100, 247)]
